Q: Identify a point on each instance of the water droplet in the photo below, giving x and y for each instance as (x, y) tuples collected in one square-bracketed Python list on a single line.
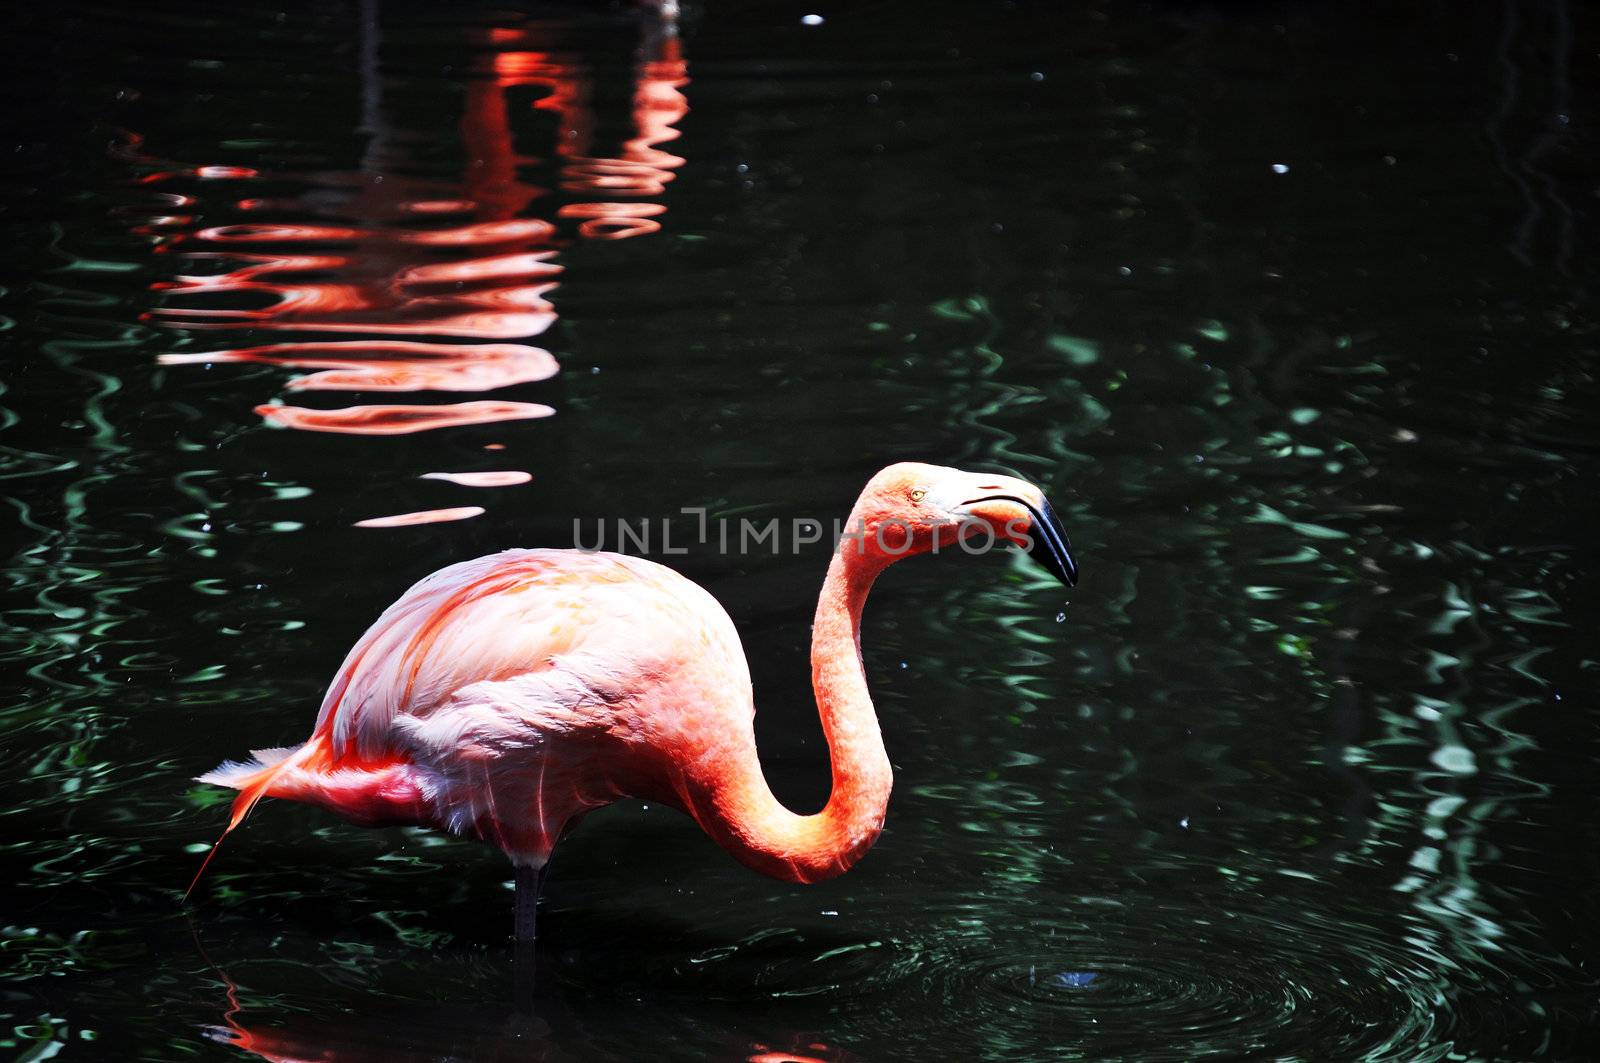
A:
[(1279, 167), (811, 20), (1061, 616), (1037, 75), (1075, 979), (1184, 822), (829, 911)]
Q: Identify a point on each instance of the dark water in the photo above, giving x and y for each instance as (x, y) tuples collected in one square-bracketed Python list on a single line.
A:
[(1287, 306)]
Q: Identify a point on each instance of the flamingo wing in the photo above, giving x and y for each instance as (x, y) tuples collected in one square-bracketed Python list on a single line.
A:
[(605, 628)]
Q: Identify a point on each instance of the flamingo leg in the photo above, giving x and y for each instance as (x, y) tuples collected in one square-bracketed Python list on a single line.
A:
[(530, 881)]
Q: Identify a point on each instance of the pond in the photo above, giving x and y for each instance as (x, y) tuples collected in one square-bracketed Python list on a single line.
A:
[(1285, 305)]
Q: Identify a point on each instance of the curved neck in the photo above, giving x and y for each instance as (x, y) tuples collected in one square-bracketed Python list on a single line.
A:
[(747, 820)]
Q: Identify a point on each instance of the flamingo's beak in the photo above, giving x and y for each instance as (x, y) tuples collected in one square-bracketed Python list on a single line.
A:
[(1047, 539), (1051, 548)]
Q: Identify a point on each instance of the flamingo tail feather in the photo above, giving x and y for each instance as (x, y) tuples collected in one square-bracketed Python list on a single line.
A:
[(252, 778)]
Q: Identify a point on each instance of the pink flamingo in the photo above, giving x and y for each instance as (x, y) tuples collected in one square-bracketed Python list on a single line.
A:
[(507, 696)]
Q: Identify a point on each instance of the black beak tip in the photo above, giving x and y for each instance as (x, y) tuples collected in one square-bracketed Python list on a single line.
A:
[(1048, 543), (1051, 547), (1062, 568)]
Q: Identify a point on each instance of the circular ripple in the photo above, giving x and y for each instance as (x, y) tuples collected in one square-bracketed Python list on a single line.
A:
[(1154, 980)]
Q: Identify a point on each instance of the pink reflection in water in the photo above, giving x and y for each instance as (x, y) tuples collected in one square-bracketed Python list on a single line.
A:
[(615, 221), (202, 172), (483, 326), (488, 232), (496, 267), (497, 478), (497, 297), (426, 516), (401, 420), (800, 1050), (642, 168), (439, 206), (376, 266), (246, 233), (392, 365)]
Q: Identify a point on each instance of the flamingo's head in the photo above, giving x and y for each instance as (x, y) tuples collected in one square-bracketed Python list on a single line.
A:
[(912, 508)]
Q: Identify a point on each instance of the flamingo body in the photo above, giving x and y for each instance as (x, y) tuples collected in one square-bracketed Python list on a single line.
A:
[(505, 696)]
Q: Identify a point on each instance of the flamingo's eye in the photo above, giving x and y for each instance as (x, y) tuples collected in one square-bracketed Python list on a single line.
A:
[(918, 494)]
